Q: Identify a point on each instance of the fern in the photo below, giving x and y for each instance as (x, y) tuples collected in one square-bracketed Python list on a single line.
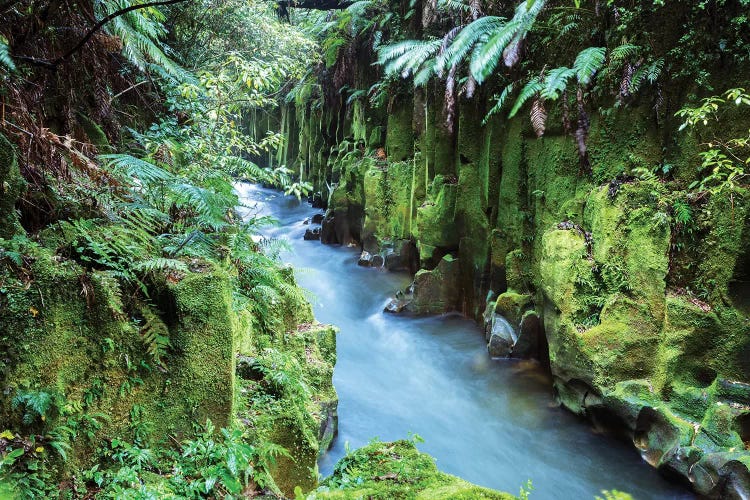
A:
[(485, 58), (154, 334), (556, 82), (624, 52), (504, 95), (160, 264), (588, 62), (5, 59), (130, 166), (407, 57), (462, 42), (527, 92)]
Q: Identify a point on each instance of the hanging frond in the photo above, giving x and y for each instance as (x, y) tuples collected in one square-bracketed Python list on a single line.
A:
[(485, 58), (5, 59), (407, 57), (646, 72), (465, 39), (556, 82), (588, 62), (538, 116), (507, 91), (527, 92)]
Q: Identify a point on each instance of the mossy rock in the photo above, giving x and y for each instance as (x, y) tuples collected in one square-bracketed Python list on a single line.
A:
[(512, 305), (397, 470)]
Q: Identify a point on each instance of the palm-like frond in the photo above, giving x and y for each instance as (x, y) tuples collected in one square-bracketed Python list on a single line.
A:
[(467, 38), (624, 52), (407, 57)]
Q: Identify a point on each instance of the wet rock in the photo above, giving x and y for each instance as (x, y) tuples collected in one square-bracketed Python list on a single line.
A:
[(317, 218), (377, 261), (365, 259), (306, 221), (329, 424), (393, 262), (502, 337), (248, 368), (436, 291), (397, 305), (312, 234), (529, 336), (328, 231), (722, 475)]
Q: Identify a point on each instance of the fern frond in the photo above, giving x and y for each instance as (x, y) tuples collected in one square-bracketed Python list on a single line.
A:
[(5, 59), (154, 334), (556, 82), (136, 168), (407, 57), (624, 52), (485, 58), (160, 264), (466, 39), (588, 62), (527, 92), (538, 116), (507, 91)]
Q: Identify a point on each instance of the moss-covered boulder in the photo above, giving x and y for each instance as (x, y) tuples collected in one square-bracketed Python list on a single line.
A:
[(397, 470)]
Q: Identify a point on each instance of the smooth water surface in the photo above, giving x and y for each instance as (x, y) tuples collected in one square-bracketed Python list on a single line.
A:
[(491, 422)]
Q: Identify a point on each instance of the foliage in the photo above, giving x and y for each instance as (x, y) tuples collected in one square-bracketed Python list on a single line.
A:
[(725, 160)]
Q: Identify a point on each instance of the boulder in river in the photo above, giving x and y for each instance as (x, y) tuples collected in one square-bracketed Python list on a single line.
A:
[(436, 291), (502, 337), (312, 234), (317, 218), (365, 259)]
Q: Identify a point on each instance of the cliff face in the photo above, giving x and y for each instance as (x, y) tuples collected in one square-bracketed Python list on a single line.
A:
[(643, 320)]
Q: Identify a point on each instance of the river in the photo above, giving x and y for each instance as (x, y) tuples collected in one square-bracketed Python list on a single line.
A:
[(491, 422)]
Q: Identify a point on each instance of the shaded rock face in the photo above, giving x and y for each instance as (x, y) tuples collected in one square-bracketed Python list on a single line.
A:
[(435, 291)]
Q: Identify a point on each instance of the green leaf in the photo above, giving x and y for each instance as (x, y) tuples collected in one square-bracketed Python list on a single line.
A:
[(588, 62)]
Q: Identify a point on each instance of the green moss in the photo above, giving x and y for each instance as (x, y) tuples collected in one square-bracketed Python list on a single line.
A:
[(396, 471), (11, 187), (512, 305)]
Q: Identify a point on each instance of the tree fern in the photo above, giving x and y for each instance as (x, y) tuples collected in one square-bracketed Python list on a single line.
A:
[(588, 62)]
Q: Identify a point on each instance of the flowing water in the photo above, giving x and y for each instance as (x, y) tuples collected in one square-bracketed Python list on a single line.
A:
[(491, 422)]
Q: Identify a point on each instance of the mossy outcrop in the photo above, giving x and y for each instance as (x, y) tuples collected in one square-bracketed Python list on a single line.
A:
[(396, 471), (76, 337)]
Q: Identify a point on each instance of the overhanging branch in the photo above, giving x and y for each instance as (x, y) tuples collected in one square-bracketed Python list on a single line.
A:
[(54, 63), (315, 4)]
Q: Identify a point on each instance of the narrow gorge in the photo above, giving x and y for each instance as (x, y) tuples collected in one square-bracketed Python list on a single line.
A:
[(374, 249)]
